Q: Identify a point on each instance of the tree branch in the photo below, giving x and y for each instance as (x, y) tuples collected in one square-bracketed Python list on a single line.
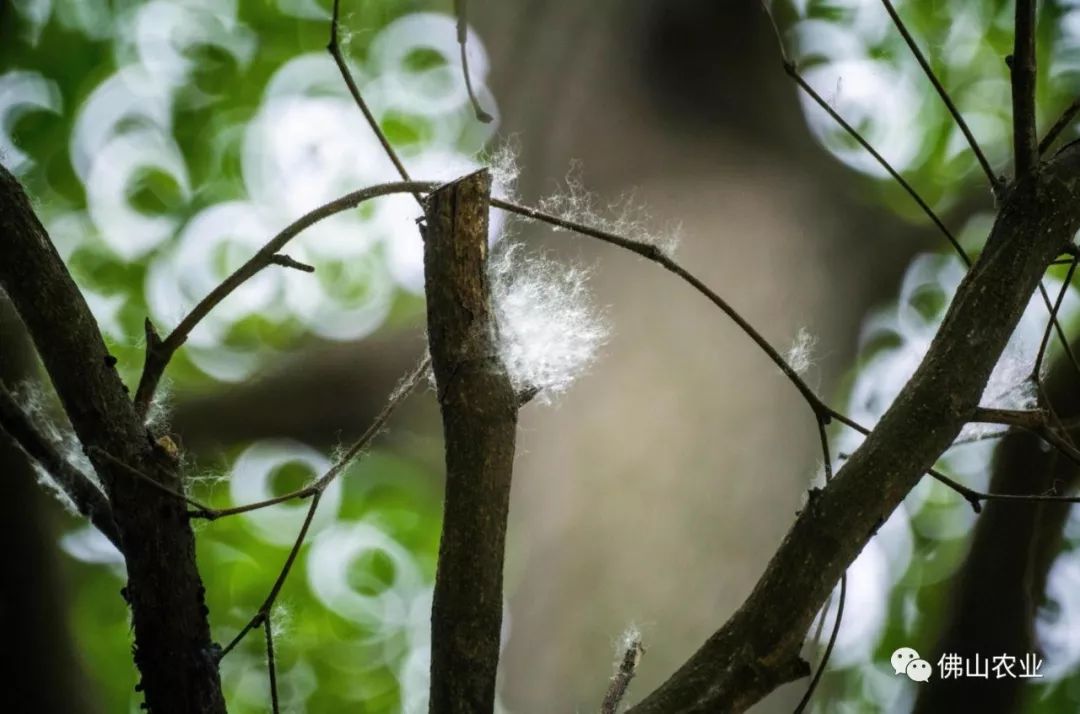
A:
[(173, 649), (479, 411), (1034, 421), (757, 649), (1059, 126), (1022, 65), (86, 496), (159, 351), (334, 48), (462, 12)]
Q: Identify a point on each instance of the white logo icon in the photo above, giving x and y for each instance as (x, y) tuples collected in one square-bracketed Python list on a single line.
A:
[(907, 661)]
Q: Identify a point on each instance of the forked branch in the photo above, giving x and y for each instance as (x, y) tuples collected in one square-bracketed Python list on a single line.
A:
[(160, 351)]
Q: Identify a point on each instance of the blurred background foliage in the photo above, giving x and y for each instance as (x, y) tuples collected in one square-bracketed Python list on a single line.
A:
[(164, 141)]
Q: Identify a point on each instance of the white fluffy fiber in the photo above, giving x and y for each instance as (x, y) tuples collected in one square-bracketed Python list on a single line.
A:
[(800, 355), (624, 217), (549, 329)]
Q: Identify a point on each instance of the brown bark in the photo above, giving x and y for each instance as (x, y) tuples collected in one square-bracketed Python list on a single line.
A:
[(479, 411), (173, 650)]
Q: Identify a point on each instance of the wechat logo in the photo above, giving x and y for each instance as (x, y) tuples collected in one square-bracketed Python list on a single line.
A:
[(907, 661)]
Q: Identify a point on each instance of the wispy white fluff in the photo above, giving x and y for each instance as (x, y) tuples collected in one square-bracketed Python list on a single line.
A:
[(160, 411), (1010, 385), (281, 620), (800, 355), (629, 639), (895, 339), (502, 162), (34, 402), (46, 481), (549, 329), (625, 216)]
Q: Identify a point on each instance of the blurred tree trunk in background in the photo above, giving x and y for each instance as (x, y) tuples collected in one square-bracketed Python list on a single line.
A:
[(42, 669)]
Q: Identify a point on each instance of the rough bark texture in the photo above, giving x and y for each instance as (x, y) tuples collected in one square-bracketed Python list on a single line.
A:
[(479, 411), (173, 650), (1002, 582), (758, 648)]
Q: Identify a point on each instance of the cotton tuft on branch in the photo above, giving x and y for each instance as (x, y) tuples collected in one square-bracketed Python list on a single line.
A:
[(801, 354), (625, 217), (34, 402), (502, 162), (628, 653), (549, 329)]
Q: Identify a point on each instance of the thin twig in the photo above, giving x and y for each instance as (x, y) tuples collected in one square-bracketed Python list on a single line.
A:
[(148, 480), (792, 71), (1030, 420), (651, 252), (275, 590), (287, 261), (995, 182), (828, 647), (1022, 65), (1052, 321), (462, 11), (271, 665), (1060, 125), (975, 498), (160, 351), (411, 380), (816, 679), (334, 48)]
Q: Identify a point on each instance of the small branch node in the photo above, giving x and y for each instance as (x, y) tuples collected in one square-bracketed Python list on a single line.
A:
[(286, 261)]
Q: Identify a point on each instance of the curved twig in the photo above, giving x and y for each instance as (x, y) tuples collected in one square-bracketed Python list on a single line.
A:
[(160, 351)]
